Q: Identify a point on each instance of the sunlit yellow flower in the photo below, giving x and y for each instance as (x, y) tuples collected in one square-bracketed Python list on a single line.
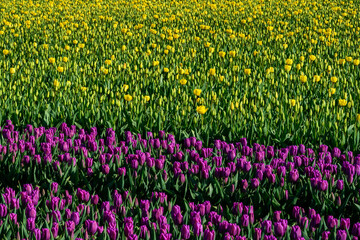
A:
[(197, 92), (287, 68), (81, 45), (342, 102), (12, 70), (83, 89), (269, 70), (183, 81), (303, 78), (75, 42), (312, 57), (125, 87), (107, 61), (349, 59), (166, 70), (247, 71), (123, 48), (67, 47), (60, 69), (105, 71), (289, 61), (302, 58), (356, 62), (298, 66), (56, 83), (52, 60), (341, 61), (292, 102), (201, 109), (316, 78), (334, 79), (212, 71), (155, 63), (222, 54), (332, 91), (128, 98), (147, 98), (65, 59), (6, 52), (221, 78)]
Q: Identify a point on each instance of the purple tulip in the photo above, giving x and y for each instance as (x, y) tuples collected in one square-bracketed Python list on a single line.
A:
[(55, 229), (294, 175), (92, 227), (37, 233), (345, 223), (245, 220), (295, 232), (325, 235), (45, 234), (257, 234), (144, 232), (30, 224), (185, 232), (105, 169), (3, 210), (277, 216), (255, 183), (13, 218), (279, 229), (209, 235), (322, 185), (75, 217), (356, 229), (70, 227), (340, 184), (54, 187), (266, 225), (112, 232), (331, 222), (341, 235)]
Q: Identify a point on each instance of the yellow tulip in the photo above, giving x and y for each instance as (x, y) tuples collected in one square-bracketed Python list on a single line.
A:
[(201, 109), (316, 78), (52, 60), (128, 98), (287, 68), (56, 83), (303, 78), (197, 92), (292, 102), (334, 79), (60, 69), (183, 81), (289, 61), (222, 54), (342, 102)]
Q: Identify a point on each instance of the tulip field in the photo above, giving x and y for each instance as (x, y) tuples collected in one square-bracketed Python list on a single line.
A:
[(192, 119)]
